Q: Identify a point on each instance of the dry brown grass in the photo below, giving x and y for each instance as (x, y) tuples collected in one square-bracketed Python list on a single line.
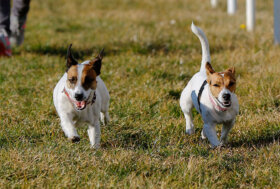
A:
[(148, 62)]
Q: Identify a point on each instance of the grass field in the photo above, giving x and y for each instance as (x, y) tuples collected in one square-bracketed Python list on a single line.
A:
[(150, 54)]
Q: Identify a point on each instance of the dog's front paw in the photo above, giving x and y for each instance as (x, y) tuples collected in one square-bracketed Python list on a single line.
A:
[(74, 139), (95, 146), (224, 144), (190, 131), (218, 146)]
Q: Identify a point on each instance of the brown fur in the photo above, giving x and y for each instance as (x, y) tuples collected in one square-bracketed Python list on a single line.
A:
[(89, 74), (89, 77), (217, 82), (72, 76)]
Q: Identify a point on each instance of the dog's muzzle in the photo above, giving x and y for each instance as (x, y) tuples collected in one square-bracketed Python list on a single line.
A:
[(82, 104), (226, 100)]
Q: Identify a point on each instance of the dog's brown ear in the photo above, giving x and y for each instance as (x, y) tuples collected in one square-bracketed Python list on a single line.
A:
[(232, 70), (97, 62), (209, 69), (70, 60), (101, 54)]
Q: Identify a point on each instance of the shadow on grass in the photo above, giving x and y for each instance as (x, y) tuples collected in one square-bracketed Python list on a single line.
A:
[(25, 139), (174, 94), (4, 142), (110, 49), (62, 50), (258, 141), (130, 139), (144, 48)]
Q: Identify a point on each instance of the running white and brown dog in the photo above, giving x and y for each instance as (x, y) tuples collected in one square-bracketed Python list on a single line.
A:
[(212, 94), (81, 96)]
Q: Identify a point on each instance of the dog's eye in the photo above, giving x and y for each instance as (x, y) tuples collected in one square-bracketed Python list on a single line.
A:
[(216, 85), (72, 79), (231, 84), (88, 80)]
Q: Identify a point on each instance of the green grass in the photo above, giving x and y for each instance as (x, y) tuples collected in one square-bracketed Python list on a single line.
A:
[(147, 64)]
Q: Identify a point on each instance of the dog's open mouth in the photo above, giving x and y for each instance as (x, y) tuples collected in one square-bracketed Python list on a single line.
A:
[(226, 104), (80, 105)]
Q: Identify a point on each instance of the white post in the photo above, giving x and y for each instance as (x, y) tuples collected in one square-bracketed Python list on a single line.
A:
[(250, 14), (277, 22), (231, 6), (214, 3)]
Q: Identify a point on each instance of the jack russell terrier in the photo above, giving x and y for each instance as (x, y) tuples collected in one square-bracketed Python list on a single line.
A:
[(81, 96), (212, 94)]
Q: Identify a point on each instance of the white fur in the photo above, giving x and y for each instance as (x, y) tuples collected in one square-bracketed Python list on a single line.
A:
[(70, 117), (205, 46), (210, 115)]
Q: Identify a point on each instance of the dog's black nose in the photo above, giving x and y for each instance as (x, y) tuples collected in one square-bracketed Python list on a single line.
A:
[(226, 96), (79, 96)]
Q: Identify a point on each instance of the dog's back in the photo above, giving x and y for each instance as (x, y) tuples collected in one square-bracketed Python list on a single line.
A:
[(104, 93)]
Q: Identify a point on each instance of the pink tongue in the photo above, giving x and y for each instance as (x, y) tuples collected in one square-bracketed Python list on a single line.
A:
[(80, 104)]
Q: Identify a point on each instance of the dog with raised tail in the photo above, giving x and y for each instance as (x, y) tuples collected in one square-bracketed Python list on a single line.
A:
[(212, 95), (81, 96)]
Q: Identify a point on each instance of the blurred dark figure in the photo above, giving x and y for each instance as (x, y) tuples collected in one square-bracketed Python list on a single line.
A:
[(12, 24)]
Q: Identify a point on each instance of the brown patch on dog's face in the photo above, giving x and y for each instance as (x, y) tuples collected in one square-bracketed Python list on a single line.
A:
[(216, 84), (72, 76), (88, 78), (229, 79), (219, 80)]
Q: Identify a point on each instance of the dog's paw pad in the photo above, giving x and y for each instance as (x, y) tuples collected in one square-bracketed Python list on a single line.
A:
[(75, 139)]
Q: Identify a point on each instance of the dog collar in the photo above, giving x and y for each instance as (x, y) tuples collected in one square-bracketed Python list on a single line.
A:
[(217, 105), (73, 102), (200, 93)]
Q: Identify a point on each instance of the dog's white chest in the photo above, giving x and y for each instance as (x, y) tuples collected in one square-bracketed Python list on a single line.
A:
[(223, 117), (82, 117)]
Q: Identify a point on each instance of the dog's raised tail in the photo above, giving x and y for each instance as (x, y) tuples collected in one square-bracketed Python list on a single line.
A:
[(204, 45)]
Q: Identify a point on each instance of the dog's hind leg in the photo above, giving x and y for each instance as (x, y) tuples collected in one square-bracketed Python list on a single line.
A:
[(104, 118), (203, 135), (94, 134), (186, 106), (104, 114), (107, 118), (189, 122)]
